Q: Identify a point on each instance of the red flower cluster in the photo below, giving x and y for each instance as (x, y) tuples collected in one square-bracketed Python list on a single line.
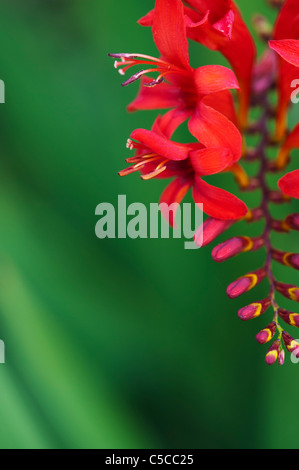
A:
[(218, 122), (199, 95)]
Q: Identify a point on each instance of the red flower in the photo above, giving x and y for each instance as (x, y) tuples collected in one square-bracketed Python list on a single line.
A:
[(218, 25), (289, 184), (286, 28), (186, 88), (159, 157)]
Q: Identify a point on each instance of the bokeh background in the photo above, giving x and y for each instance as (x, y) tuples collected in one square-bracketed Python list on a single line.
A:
[(113, 343)]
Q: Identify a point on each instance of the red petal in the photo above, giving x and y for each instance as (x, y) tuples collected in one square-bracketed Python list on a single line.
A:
[(287, 21), (211, 160), (214, 78), (162, 96), (169, 32), (292, 140), (224, 103), (225, 25), (166, 125), (218, 8), (218, 203), (213, 129), (233, 49), (289, 184), (288, 49), (174, 194), (160, 145), (287, 27), (148, 19)]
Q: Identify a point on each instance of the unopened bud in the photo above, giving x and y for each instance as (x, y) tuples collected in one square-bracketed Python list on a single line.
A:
[(281, 357), (292, 221), (291, 345), (234, 247), (273, 353), (288, 259), (276, 3), (266, 334), (288, 290), (262, 27), (210, 230), (289, 317), (254, 310), (245, 283)]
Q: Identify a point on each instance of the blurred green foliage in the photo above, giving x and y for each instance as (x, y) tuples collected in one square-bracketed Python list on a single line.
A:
[(112, 343)]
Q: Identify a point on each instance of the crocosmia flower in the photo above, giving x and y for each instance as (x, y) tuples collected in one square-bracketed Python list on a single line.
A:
[(230, 113)]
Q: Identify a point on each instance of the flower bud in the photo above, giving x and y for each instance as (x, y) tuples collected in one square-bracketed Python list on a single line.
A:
[(292, 221), (280, 226), (210, 230), (288, 290), (254, 215), (273, 353), (266, 334), (278, 198), (245, 283), (234, 247), (281, 357), (262, 27), (289, 317), (291, 345), (288, 259), (276, 3), (254, 310)]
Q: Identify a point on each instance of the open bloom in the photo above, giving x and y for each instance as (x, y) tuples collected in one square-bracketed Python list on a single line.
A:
[(159, 157), (285, 32), (218, 25), (186, 88)]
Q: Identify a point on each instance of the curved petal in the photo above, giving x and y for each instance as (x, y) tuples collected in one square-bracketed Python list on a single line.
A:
[(287, 24), (210, 161), (162, 96), (213, 129), (289, 184), (174, 194), (292, 140), (287, 74), (148, 19), (224, 103), (218, 203), (218, 8), (213, 78), (161, 145), (288, 49), (169, 32), (168, 123), (233, 49)]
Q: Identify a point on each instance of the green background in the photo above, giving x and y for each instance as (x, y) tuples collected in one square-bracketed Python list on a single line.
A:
[(113, 343)]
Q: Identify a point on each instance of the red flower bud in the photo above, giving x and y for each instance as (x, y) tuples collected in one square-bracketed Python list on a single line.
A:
[(292, 221), (273, 353), (210, 230), (291, 345), (280, 226), (266, 334), (278, 198), (245, 283), (281, 357), (234, 247), (288, 259), (289, 317), (254, 310), (288, 290)]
